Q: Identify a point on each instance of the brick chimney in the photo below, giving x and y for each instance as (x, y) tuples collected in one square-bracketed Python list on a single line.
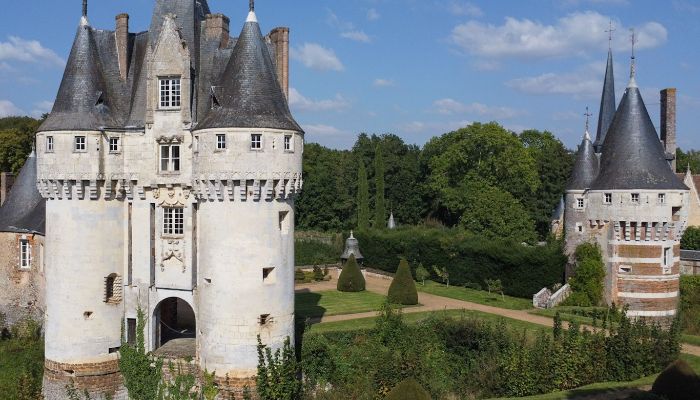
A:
[(280, 39), (668, 124), (216, 26), (121, 34)]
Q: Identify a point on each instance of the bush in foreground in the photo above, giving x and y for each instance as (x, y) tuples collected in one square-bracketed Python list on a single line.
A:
[(677, 382), (403, 289), (351, 279), (408, 389)]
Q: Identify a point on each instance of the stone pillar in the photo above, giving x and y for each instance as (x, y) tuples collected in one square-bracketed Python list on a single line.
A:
[(280, 39), (121, 34), (216, 27), (668, 124)]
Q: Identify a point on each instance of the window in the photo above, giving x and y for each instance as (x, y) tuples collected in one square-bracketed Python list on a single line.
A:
[(288, 143), (114, 145), (662, 198), (173, 221), (170, 158), (608, 198), (579, 227), (113, 289), (256, 141), (284, 222), (49, 144), (579, 203), (635, 197), (80, 144), (264, 319), (196, 144), (221, 142), (169, 93), (25, 254), (268, 276)]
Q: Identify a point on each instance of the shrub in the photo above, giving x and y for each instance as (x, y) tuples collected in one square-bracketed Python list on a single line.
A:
[(299, 275), (403, 289), (677, 382), (691, 238), (690, 304), (351, 279), (408, 389), (318, 273), (587, 282)]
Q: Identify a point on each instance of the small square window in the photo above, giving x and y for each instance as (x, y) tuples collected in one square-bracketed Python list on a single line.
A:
[(80, 144), (579, 203), (662, 198), (256, 141), (635, 197), (49, 144), (608, 198), (579, 227), (25, 255), (114, 145), (288, 143), (173, 221), (221, 142)]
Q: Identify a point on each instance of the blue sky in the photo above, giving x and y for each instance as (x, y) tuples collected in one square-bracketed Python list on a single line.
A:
[(416, 68)]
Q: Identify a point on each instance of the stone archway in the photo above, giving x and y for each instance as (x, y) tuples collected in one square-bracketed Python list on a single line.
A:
[(173, 319)]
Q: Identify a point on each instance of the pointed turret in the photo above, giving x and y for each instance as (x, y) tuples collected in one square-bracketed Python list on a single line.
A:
[(251, 96), (24, 210), (585, 167), (82, 102), (188, 16), (607, 104)]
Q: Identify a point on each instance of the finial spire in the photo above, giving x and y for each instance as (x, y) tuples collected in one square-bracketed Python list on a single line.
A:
[(633, 71), (85, 8), (251, 13), (251, 5), (610, 30), (588, 115)]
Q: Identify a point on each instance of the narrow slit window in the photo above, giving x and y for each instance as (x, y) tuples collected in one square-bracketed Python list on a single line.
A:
[(25, 257)]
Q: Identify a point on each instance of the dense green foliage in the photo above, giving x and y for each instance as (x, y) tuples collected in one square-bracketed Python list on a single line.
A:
[(691, 238), (587, 282), (678, 382), (313, 248), (380, 188), (16, 140), (691, 159), (141, 371), (362, 197), (690, 304), (403, 289), (278, 371), (467, 258), (351, 279), (408, 389), (467, 358), (21, 361)]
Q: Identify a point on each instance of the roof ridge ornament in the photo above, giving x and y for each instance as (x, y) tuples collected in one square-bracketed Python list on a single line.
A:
[(251, 5), (588, 115), (610, 31), (84, 17), (633, 66), (251, 12)]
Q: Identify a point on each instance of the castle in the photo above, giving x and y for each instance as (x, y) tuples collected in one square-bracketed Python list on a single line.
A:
[(624, 195), (169, 165)]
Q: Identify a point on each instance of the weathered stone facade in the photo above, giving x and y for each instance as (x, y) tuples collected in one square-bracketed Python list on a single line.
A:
[(22, 289), (6, 181)]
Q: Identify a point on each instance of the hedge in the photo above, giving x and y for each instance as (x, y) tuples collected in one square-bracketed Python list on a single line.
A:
[(351, 278), (403, 289), (522, 269), (690, 304)]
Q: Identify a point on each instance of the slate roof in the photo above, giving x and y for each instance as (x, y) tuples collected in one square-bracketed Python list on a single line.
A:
[(607, 104), (585, 167), (92, 94), (633, 157), (25, 209)]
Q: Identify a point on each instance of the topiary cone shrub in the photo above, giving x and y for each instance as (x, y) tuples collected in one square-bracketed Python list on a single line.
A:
[(408, 389), (403, 288), (677, 382), (351, 279)]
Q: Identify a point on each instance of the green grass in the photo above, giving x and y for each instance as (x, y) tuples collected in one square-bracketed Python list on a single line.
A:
[(17, 356), (475, 296), (690, 339), (333, 302)]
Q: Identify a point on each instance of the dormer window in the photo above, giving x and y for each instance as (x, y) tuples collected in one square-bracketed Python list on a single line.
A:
[(170, 94), (635, 197)]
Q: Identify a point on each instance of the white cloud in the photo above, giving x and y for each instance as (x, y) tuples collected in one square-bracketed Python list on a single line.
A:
[(372, 15), (317, 57), (432, 128), (7, 109), (575, 3), (450, 107), (41, 108), (358, 36), (380, 82), (322, 130), (300, 103), (576, 34), (458, 7), (30, 51), (584, 82)]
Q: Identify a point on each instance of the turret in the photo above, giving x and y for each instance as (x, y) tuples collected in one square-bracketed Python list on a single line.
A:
[(607, 104)]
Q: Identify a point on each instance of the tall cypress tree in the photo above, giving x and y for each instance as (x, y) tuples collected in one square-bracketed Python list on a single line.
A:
[(362, 197), (379, 207)]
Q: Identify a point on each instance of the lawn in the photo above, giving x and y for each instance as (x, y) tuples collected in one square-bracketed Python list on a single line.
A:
[(333, 302), (475, 296)]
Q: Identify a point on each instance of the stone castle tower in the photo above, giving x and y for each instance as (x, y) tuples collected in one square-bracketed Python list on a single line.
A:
[(624, 195), (170, 163)]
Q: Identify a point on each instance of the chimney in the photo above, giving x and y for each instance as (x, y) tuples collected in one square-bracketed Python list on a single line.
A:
[(122, 39), (668, 124), (280, 39), (216, 26)]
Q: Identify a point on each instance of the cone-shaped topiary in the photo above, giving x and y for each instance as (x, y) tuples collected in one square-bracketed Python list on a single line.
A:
[(408, 389), (403, 288), (351, 279), (677, 382)]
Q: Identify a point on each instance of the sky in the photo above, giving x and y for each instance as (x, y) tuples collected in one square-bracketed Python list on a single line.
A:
[(415, 68)]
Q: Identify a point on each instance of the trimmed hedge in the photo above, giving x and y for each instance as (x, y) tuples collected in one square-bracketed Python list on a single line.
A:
[(351, 279), (408, 389), (522, 269), (403, 289), (690, 304)]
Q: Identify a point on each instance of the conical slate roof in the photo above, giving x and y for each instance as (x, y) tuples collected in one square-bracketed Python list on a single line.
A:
[(82, 102), (249, 95), (585, 167), (633, 157), (25, 209), (607, 104)]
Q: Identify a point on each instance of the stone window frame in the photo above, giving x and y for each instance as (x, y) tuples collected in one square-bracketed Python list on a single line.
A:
[(635, 198), (256, 141), (49, 144), (169, 92), (170, 163), (113, 293), (25, 254), (288, 143), (607, 198), (113, 143), (80, 144), (580, 203), (173, 224), (221, 143), (661, 198)]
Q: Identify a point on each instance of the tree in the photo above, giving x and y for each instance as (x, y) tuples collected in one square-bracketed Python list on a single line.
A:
[(277, 377), (16, 140), (408, 389), (351, 279), (691, 238), (689, 159), (495, 286), (588, 280), (403, 289), (379, 206), (422, 274), (443, 274), (362, 197)]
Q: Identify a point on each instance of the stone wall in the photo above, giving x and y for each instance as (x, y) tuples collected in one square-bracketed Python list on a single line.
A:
[(21, 290)]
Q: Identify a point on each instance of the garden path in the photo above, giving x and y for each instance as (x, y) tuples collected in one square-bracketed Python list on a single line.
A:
[(430, 302)]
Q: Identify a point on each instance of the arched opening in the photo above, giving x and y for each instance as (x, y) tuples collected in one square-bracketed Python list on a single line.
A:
[(174, 319)]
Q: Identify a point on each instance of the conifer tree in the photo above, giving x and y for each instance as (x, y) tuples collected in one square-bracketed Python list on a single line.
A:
[(379, 206), (351, 279), (403, 289), (362, 197)]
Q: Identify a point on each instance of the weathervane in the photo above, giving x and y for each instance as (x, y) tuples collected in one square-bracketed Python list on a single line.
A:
[(634, 40), (588, 115), (84, 8), (251, 5), (610, 31)]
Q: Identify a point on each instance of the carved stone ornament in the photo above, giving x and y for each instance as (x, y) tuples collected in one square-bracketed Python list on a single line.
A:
[(173, 255), (171, 197)]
